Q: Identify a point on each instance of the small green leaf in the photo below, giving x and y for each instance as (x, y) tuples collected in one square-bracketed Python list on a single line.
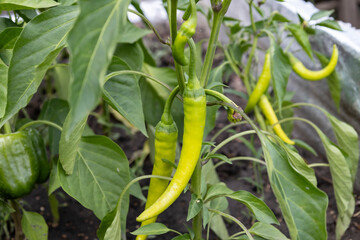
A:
[(195, 207), (3, 87), (321, 14), (5, 209), (8, 5), (333, 80), (330, 24), (131, 33), (280, 71), (261, 211), (219, 156), (34, 226), (182, 237), (276, 16), (267, 231), (301, 37), (152, 229), (217, 190)]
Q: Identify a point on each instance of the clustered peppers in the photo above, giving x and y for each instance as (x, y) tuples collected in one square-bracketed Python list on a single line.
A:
[(307, 74), (23, 163), (166, 134), (194, 124)]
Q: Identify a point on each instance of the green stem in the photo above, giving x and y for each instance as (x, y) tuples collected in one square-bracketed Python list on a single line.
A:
[(318, 165), (166, 117), (242, 159), (248, 65), (234, 220), (145, 20), (7, 128), (229, 139), (172, 10), (36, 122), (260, 119), (224, 129), (210, 52), (196, 188), (252, 16), (16, 216)]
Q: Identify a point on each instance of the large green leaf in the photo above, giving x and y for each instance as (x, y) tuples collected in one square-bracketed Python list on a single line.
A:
[(100, 174), (132, 54), (92, 42), (26, 4), (131, 33), (303, 205), (34, 226), (123, 94), (36, 48), (280, 71), (342, 182), (3, 87), (9, 36)]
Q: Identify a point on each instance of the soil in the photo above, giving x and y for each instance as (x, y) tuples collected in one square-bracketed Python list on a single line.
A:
[(77, 222)]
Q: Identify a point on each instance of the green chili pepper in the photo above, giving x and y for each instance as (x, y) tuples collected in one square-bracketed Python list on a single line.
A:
[(194, 124), (307, 74), (261, 86), (186, 31), (166, 134)]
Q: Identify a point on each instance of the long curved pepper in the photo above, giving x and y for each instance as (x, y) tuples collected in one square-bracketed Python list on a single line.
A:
[(270, 115), (261, 85), (186, 31), (307, 74), (194, 124)]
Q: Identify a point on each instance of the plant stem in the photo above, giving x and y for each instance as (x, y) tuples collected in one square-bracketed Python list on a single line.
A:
[(248, 66), (210, 52), (40, 122), (16, 216), (229, 139), (7, 128), (318, 165), (149, 24), (196, 188), (172, 8)]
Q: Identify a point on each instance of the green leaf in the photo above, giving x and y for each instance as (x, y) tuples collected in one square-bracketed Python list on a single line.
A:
[(68, 147), (67, 2), (347, 139), (54, 181), (132, 54), (321, 14), (301, 37), (6, 23), (34, 226), (303, 205), (152, 229), (27, 14), (300, 165), (130, 33), (280, 71), (305, 146), (267, 231), (36, 48), (91, 52), (182, 237), (54, 110), (333, 80), (62, 81), (276, 16), (3, 87), (123, 94), (217, 190), (330, 24), (5, 209), (219, 156), (342, 182), (101, 172), (262, 212), (195, 207), (26, 4), (9, 36)]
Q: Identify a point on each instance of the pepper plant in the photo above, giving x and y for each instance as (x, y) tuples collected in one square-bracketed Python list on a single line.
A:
[(93, 62)]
